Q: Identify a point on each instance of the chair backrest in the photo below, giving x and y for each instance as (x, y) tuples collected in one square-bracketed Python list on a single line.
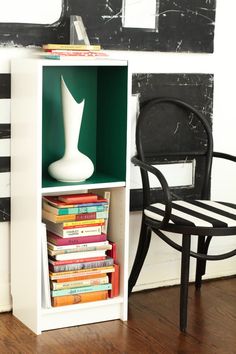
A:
[(169, 131)]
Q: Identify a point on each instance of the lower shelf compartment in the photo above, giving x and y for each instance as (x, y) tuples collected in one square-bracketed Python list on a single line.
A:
[(75, 315)]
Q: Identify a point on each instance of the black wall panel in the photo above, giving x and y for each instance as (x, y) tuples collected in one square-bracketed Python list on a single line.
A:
[(183, 26), (195, 89)]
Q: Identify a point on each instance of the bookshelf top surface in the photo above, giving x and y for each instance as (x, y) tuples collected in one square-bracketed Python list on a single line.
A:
[(110, 61)]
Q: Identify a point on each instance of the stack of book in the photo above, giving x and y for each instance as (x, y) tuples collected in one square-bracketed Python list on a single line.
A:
[(82, 261), (61, 51)]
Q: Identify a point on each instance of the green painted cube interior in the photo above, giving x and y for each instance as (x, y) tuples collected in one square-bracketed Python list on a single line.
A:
[(103, 129)]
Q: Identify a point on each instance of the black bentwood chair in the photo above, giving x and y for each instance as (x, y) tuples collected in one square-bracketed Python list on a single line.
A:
[(170, 130)]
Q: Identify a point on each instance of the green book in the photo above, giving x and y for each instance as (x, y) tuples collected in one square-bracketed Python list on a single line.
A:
[(81, 289)]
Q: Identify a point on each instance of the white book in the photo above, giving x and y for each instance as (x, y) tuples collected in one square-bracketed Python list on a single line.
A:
[(91, 246), (80, 255), (107, 195), (46, 297), (73, 231)]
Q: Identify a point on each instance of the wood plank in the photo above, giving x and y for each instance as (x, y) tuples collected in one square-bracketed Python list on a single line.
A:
[(152, 326)]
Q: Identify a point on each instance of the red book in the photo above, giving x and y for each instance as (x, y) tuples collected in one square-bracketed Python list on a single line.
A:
[(113, 252), (114, 279), (60, 241), (78, 198)]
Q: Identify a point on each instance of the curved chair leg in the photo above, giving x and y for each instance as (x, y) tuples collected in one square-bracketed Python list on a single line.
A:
[(203, 245), (143, 246), (186, 243)]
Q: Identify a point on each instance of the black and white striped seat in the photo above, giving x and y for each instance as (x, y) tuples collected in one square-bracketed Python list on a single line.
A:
[(196, 213)]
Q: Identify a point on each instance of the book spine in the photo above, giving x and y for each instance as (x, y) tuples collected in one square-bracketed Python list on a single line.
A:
[(80, 283), (85, 209), (60, 241), (81, 272), (82, 277), (48, 47), (82, 223), (70, 253), (107, 196), (82, 265), (113, 251), (75, 231), (74, 217), (75, 261), (100, 215), (58, 53), (82, 289), (78, 198), (114, 279), (74, 210), (103, 245), (79, 298), (82, 231), (79, 255)]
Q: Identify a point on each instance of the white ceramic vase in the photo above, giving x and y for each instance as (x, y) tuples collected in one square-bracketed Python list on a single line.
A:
[(74, 166)]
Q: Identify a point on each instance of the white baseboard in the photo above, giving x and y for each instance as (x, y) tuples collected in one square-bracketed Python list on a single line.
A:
[(171, 282), (5, 308), (5, 297)]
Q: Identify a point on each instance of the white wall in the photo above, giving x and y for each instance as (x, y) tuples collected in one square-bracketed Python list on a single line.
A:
[(162, 264), (28, 11)]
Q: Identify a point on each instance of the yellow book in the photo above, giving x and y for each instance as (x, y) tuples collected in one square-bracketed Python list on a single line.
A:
[(49, 47), (84, 223)]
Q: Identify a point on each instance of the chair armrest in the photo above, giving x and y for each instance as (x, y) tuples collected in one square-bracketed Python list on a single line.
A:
[(167, 195), (225, 156)]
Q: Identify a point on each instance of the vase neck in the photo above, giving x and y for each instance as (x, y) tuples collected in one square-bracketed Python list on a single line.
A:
[(72, 118)]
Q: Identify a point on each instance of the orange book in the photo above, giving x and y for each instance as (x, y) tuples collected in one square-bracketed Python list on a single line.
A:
[(94, 276), (79, 283), (79, 298)]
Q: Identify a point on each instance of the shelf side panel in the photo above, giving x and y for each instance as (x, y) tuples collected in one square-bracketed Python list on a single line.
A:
[(25, 197)]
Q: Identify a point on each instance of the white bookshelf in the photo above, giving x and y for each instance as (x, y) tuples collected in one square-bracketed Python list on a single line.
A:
[(29, 180)]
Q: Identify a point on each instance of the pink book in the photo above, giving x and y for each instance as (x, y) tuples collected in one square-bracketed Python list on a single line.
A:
[(60, 241)]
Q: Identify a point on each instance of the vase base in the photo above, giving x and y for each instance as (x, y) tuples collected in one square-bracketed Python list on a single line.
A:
[(72, 170), (67, 181)]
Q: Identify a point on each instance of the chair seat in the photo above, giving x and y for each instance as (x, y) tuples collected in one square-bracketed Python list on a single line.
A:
[(196, 213)]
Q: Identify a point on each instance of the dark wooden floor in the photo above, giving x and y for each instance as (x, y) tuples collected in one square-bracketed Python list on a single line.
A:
[(152, 327)]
